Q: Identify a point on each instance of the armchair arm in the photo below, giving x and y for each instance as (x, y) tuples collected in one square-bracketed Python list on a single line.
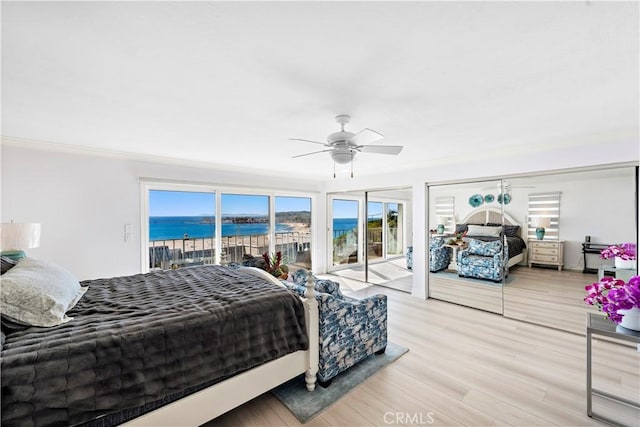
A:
[(439, 250), (350, 330), (320, 285), (498, 260), (351, 322), (502, 258)]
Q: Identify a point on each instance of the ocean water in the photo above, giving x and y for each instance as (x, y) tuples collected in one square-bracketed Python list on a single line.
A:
[(341, 225), (175, 227)]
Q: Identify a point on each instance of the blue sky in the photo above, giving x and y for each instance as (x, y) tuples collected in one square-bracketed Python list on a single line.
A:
[(375, 210), (285, 204), (181, 203), (189, 203), (345, 208), (349, 209), (243, 204)]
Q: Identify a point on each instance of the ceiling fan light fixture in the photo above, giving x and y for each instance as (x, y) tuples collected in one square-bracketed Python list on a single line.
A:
[(342, 157), (340, 137)]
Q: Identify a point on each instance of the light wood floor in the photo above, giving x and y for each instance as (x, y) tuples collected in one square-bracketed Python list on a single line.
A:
[(474, 368), (540, 295), (548, 297)]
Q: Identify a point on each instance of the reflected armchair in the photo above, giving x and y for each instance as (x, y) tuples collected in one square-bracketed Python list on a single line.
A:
[(484, 260), (439, 255)]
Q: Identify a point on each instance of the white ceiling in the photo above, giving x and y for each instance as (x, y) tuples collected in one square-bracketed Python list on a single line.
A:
[(229, 83)]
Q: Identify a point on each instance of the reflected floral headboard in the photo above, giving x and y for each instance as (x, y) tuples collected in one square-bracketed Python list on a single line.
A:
[(488, 215)]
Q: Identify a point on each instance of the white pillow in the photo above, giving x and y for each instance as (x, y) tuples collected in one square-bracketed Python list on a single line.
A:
[(38, 293), (482, 230)]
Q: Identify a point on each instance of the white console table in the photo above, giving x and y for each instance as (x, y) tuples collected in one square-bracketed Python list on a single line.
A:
[(598, 325)]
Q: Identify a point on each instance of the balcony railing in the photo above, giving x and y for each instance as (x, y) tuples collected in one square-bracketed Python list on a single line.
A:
[(345, 245), (176, 253)]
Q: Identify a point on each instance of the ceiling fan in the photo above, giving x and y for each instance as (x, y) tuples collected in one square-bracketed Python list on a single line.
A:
[(344, 145), (506, 186)]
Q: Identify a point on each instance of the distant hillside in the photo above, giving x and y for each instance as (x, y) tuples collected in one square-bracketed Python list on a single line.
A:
[(303, 217)]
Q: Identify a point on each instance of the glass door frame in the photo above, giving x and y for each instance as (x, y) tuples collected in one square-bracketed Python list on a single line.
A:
[(330, 232), (363, 212)]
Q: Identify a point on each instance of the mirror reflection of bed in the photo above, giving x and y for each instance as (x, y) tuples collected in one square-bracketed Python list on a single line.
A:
[(541, 293), (449, 205), (481, 264)]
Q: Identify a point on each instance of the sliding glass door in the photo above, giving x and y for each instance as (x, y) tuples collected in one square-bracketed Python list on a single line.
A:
[(394, 228), (375, 228), (344, 231)]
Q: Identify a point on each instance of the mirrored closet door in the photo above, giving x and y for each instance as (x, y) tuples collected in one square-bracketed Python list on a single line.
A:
[(552, 227), (467, 259), (570, 217)]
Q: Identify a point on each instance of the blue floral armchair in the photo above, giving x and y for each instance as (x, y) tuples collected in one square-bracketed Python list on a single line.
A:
[(409, 256), (350, 329), (439, 255), (484, 260)]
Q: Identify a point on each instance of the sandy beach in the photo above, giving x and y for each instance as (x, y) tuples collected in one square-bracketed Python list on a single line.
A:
[(234, 247)]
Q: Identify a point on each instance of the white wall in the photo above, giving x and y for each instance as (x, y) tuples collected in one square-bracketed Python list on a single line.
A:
[(84, 201)]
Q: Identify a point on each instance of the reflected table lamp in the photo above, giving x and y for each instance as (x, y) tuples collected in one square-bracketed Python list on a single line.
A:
[(16, 237), (541, 223)]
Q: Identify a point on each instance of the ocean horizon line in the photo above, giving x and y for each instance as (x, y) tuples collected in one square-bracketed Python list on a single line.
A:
[(176, 227)]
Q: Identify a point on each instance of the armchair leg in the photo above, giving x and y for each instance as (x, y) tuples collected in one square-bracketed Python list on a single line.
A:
[(382, 350)]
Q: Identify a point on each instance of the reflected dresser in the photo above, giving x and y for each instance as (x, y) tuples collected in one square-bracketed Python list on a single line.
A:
[(546, 252)]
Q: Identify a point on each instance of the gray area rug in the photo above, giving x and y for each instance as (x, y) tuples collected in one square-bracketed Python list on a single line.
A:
[(306, 405)]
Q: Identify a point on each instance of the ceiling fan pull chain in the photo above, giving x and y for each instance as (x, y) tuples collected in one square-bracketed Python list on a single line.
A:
[(334, 169), (351, 166)]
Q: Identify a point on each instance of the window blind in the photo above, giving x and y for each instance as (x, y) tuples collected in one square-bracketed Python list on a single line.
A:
[(544, 205), (445, 209)]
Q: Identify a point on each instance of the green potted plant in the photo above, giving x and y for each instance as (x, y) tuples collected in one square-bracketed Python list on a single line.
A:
[(273, 264)]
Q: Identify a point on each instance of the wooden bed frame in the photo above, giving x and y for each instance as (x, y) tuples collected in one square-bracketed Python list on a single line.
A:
[(487, 215), (205, 405)]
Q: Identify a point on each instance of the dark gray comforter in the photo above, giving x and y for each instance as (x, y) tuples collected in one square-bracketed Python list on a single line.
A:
[(141, 340)]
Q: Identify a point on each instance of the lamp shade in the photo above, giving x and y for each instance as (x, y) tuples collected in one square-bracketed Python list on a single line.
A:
[(16, 236), (342, 156), (541, 222)]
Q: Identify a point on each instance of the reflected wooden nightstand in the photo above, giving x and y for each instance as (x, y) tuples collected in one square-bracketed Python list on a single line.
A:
[(547, 252)]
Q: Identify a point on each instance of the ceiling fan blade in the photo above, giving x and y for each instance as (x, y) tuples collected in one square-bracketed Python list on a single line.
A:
[(365, 136), (380, 149), (308, 154), (307, 140)]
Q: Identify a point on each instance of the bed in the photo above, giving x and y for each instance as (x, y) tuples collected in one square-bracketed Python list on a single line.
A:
[(170, 348), (512, 231)]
